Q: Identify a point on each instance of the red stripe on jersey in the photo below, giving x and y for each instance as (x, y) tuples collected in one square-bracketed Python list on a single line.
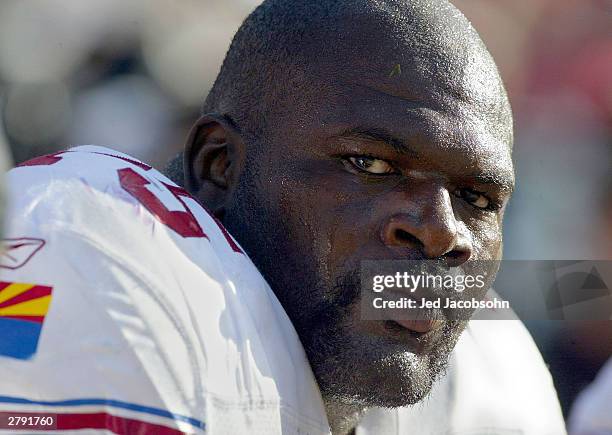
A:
[(125, 159), (100, 421), (35, 319), (49, 159), (34, 293)]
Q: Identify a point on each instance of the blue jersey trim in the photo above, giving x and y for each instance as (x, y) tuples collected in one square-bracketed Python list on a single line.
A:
[(105, 402)]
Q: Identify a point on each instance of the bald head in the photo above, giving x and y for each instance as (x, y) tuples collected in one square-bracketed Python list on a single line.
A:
[(288, 53), (340, 131)]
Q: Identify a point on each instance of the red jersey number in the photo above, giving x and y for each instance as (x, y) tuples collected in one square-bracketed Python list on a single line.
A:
[(182, 222)]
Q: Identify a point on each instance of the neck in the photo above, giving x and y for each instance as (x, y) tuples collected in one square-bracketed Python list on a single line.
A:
[(343, 418)]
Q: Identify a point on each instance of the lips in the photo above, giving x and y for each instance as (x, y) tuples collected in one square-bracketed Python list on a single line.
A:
[(417, 320), (409, 333), (420, 326)]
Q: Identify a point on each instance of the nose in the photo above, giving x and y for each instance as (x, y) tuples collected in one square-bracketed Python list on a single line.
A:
[(430, 226)]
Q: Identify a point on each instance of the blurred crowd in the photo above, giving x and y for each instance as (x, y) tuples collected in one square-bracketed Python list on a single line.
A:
[(132, 74), (125, 74)]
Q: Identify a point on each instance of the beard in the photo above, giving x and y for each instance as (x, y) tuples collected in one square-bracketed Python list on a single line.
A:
[(354, 368), (351, 367)]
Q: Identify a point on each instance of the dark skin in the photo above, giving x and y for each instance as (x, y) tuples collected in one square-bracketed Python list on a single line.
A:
[(363, 162)]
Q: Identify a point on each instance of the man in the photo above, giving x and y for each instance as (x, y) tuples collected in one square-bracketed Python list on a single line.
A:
[(336, 131), (343, 131)]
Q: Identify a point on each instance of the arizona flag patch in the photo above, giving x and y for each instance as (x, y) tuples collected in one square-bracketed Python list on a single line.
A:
[(23, 308)]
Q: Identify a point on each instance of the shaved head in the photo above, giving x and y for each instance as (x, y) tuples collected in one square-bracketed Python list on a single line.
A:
[(339, 131), (412, 48)]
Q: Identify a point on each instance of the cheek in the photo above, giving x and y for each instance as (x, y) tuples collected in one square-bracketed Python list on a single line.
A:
[(310, 225), (486, 239), (303, 212), (330, 218)]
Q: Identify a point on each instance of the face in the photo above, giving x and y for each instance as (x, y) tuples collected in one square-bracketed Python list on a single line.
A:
[(374, 161)]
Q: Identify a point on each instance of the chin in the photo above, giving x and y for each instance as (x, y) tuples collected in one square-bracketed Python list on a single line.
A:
[(373, 371)]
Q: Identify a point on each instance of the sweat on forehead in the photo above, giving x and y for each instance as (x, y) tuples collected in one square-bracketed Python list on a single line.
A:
[(288, 52)]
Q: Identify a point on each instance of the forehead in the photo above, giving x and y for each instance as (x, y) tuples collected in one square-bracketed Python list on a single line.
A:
[(428, 82)]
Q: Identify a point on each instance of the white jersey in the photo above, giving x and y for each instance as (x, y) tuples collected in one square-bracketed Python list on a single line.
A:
[(126, 308), (592, 411), (497, 384), (134, 311)]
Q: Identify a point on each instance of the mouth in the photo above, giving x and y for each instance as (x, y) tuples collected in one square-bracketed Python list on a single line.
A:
[(418, 336), (418, 327), (415, 321)]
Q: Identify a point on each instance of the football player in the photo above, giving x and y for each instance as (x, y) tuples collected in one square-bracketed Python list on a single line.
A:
[(336, 131)]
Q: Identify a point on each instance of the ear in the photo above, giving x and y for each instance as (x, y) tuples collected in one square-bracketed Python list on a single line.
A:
[(212, 160)]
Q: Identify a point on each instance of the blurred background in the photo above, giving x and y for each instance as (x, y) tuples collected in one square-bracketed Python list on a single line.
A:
[(131, 75)]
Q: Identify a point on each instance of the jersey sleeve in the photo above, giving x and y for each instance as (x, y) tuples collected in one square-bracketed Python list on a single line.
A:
[(130, 309), (85, 335)]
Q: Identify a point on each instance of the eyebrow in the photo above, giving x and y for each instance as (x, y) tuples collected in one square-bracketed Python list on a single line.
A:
[(379, 135), (502, 181)]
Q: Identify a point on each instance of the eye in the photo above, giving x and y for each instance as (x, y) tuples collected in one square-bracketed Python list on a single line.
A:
[(371, 165), (477, 199)]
